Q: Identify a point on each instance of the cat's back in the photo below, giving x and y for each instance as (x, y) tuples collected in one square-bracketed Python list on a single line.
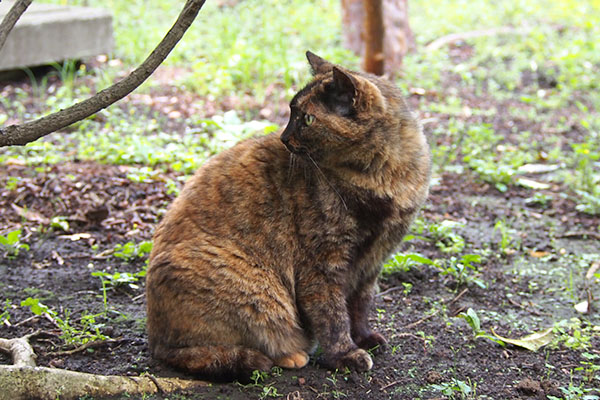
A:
[(228, 199)]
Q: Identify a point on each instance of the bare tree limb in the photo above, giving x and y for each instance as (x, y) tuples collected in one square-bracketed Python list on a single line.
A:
[(33, 130), (11, 19)]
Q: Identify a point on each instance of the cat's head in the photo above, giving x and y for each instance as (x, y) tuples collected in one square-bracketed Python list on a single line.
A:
[(341, 114)]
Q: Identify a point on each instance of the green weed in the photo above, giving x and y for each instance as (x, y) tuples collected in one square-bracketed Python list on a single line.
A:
[(574, 334), (5, 314), (87, 329), (457, 389), (132, 250), (11, 243), (462, 269), (473, 320)]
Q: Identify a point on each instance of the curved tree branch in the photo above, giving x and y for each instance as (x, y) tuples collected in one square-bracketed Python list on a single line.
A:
[(11, 19), (33, 130)]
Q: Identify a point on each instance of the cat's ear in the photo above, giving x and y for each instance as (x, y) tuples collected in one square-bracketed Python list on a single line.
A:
[(345, 91), (345, 83), (355, 94), (318, 64)]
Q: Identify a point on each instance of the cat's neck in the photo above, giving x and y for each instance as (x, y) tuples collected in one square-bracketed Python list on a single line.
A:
[(396, 172)]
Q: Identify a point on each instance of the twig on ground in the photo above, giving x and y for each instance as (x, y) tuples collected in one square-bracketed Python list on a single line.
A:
[(52, 320), (425, 318), (390, 290), (580, 235), (389, 385), (26, 320), (455, 37), (455, 299), (88, 345), (136, 298)]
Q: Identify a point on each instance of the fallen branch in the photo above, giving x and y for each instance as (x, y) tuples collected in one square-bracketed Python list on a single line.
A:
[(88, 345), (11, 19), (461, 36), (24, 380), (580, 235), (33, 130)]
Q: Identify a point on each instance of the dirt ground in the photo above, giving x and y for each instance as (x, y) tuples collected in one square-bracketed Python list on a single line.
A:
[(432, 353)]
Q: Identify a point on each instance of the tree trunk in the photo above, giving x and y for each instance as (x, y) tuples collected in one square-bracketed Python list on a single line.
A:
[(374, 31), (398, 38)]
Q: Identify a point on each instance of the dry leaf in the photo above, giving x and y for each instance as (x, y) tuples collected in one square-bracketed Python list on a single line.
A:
[(537, 168), (538, 254), (31, 216), (530, 342), (593, 269), (76, 236), (531, 184)]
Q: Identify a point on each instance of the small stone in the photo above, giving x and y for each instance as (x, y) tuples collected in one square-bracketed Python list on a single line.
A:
[(529, 387), (433, 377)]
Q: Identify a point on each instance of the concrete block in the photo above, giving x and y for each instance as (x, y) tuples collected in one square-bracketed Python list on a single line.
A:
[(49, 33)]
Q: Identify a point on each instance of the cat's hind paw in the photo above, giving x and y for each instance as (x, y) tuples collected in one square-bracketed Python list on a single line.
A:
[(357, 359), (295, 360), (373, 341)]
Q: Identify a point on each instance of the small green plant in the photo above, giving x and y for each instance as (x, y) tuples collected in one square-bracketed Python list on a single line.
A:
[(573, 334), (462, 269), (575, 392), (445, 238), (269, 391), (457, 389), (86, 330), (5, 314), (12, 183), (473, 320), (507, 240), (538, 199), (401, 262), (59, 222), (131, 250), (590, 368), (117, 279), (586, 180), (11, 243)]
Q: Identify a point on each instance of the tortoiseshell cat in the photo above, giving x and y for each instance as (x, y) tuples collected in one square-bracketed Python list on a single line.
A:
[(277, 242)]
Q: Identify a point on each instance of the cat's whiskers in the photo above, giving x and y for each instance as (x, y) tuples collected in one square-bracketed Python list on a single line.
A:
[(291, 167), (327, 181)]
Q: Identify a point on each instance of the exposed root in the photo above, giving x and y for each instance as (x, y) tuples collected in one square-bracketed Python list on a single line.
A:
[(24, 380)]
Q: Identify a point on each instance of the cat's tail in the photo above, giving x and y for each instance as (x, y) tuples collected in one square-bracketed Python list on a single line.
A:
[(215, 362)]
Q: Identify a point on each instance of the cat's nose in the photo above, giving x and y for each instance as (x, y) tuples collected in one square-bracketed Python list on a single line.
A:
[(286, 138)]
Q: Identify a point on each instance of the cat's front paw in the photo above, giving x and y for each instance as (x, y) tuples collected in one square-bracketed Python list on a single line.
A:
[(356, 359), (372, 341)]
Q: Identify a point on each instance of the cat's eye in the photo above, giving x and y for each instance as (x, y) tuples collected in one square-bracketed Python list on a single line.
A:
[(309, 119)]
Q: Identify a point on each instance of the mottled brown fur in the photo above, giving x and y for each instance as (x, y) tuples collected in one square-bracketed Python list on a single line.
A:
[(272, 246)]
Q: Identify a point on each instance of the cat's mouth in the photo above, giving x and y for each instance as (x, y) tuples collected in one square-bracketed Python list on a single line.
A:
[(292, 147)]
